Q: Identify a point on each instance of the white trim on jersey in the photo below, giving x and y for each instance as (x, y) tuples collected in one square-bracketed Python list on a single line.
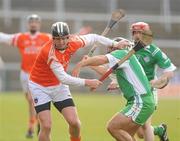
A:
[(130, 74), (133, 79), (113, 60), (156, 51), (63, 77), (171, 68)]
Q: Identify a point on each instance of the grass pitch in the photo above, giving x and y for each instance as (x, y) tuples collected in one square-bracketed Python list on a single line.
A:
[(94, 111)]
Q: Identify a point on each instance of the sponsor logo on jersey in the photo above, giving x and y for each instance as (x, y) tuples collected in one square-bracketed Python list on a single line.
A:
[(31, 50)]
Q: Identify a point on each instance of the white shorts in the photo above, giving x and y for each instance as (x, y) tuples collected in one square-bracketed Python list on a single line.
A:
[(24, 76), (42, 95)]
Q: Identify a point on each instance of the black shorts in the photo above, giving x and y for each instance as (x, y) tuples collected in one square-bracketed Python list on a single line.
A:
[(59, 105)]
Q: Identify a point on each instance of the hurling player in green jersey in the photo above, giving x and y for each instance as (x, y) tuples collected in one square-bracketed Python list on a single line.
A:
[(151, 57), (135, 88)]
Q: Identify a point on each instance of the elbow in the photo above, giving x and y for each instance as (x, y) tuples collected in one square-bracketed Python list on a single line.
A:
[(64, 80)]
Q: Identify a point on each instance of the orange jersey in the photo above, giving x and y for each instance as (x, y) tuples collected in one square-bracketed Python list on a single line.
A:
[(29, 47), (41, 72)]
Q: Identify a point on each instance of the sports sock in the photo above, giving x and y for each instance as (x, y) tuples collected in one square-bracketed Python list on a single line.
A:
[(158, 130), (75, 138)]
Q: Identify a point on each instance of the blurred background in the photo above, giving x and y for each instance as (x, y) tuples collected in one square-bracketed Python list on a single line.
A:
[(162, 15)]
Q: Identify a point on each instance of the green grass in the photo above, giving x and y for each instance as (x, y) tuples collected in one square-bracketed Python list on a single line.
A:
[(94, 111)]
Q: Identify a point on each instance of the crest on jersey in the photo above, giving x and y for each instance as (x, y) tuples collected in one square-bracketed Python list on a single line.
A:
[(146, 59)]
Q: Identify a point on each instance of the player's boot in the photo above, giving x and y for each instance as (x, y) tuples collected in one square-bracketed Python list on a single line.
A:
[(29, 134), (164, 136)]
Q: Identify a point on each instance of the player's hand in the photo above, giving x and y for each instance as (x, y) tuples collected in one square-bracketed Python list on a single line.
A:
[(76, 70), (122, 44), (112, 86), (159, 83), (92, 83)]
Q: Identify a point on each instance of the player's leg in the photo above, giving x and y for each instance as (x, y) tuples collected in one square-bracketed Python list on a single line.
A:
[(140, 133), (138, 109), (147, 131), (64, 103), (32, 115), (31, 111), (44, 116), (42, 99), (122, 128), (161, 130), (69, 112)]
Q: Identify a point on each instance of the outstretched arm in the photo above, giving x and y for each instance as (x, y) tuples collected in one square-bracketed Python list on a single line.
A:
[(6, 38), (91, 39), (92, 61)]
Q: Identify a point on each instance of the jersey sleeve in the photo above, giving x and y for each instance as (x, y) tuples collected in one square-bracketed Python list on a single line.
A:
[(63, 77), (113, 60), (75, 42), (163, 61), (6, 38), (15, 39), (91, 39)]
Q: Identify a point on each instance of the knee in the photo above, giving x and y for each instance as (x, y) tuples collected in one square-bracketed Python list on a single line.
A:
[(140, 134), (75, 123), (46, 126), (110, 128)]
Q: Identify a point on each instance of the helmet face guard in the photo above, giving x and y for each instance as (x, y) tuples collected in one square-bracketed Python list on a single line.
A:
[(60, 29)]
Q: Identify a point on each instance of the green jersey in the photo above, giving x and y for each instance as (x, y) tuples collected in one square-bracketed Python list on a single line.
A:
[(130, 75), (150, 57)]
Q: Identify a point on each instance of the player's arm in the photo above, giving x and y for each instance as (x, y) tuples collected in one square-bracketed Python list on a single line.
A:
[(65, 78), (6, 38), (99, 69), (163, 80), (102, 69), (168, 70), (95, 61), (91, 39), (91, 61)]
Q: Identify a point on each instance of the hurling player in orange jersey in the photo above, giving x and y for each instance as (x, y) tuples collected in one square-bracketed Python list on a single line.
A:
[(29, 44), (49, 81)]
